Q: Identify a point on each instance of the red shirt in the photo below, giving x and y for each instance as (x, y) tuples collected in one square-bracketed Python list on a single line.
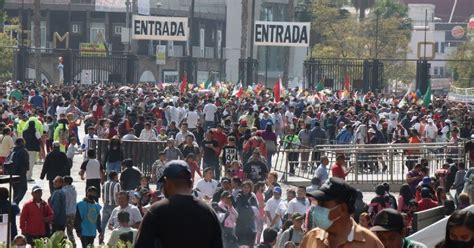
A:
[(31, 218), (426, 203), (338, 171)]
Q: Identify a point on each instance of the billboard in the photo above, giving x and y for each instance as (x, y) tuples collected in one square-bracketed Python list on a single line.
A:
[(293, 34), (110, 5), (159, 28)]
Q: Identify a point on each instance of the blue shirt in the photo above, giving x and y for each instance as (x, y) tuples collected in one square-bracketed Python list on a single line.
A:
[(322, 173), (37, 101), (89, 214), (58, 204)]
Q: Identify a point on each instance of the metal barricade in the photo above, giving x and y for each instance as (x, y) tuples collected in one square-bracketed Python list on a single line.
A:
[(143, 153), (371, 163)]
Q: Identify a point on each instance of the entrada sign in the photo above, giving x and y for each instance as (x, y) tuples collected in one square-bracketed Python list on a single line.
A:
[(159, 28), (294, 34)]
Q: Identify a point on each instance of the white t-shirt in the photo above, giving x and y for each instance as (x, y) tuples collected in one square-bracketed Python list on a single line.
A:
[(209, 111), (192, 118), (114, 237), (295, 206), (92, 167), (135, 216), (393, 119), (273, 207), (207, 188), (289, 117)]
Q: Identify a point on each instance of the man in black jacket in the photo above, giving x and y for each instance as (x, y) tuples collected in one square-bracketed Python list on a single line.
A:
[(55, 164), (19, 166)]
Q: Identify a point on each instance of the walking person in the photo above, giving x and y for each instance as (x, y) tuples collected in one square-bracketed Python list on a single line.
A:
[(17, 163), (87, 219), (71, 199), (32, 144), (36, 216), (72, 150), (114, 155), (6, 145), (111, 188), (58, 205), (55, 164), (245, 204), (228, 216), (93, 172), (180, 213)]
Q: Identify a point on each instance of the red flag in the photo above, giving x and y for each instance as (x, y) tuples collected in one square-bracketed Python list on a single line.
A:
[(277, 90), (184, 84), (347, 82)]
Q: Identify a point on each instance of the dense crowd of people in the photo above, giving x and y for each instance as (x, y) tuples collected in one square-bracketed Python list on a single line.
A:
[(219, 152)]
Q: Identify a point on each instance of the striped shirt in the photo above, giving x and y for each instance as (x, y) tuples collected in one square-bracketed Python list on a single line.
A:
[(111, 188)]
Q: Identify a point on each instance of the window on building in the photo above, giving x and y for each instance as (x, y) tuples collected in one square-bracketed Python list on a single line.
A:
[(75, 28), (95, 29), (435, 71), (436, 46), (442, 46), (441, 71), (117, 30)]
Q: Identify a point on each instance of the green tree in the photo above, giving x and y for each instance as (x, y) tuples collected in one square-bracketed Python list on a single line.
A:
[(382, 33), (6, 53), (463, 70)]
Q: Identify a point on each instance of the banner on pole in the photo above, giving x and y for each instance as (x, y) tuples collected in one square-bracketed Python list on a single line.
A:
[(161, 54), (293, 34), (464, 95), (159, 28)]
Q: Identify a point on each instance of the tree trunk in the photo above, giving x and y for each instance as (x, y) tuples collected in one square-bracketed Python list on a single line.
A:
[(286, 58), (37, 38), (243, 37)]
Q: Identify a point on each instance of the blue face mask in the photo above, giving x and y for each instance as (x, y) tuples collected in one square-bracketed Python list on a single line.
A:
[(320, 216)]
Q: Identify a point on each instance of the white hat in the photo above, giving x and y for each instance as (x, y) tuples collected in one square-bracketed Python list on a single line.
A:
[(430, 120), (414, 118), (447, 121)]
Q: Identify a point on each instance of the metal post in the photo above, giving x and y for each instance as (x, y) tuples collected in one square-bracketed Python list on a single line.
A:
[(377, 35), (128, 25), (266, 66), (250, 61), (426, 27)]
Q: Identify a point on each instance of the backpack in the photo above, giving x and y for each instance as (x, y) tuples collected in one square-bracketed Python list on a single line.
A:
[(63, 136)]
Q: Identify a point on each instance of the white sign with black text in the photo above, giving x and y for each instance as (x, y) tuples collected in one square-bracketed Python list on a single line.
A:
[(294, 34), (160, 28)]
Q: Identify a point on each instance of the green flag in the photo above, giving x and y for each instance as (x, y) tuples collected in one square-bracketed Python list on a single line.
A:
[(427, 97), (208, 84), (320, 86)]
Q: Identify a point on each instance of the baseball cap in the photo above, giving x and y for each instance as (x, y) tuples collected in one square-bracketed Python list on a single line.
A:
[(388, 220), (297, 216), (225, 180), (426, 180), (335, 189), (36, 188), (277, 190), (176, 169)]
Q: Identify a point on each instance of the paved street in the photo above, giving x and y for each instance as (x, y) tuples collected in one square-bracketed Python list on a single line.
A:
[(80, 186)]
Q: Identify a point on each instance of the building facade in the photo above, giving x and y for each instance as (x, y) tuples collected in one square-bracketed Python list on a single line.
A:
[(76, 25)]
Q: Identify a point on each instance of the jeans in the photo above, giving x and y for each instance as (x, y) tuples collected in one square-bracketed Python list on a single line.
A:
[(106, 212), (32, 156), (113, 166), (70, 228), (209, 125), (269, 161), (19, 189), (85, 241)]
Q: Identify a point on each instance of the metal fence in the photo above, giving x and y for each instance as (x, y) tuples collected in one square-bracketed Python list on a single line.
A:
[(143, 153), (371, 163)]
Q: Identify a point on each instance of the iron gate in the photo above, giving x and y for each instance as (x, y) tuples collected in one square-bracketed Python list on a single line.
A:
[(112, 69), (364, 74)]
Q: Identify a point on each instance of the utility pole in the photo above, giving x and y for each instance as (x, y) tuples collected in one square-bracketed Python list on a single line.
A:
[(251, 65), (37, 35)]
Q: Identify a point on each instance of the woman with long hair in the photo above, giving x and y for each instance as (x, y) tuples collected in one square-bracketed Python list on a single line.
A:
[(405, 196), (459, 231)]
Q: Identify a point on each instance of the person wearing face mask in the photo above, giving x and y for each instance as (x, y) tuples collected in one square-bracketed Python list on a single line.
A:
[(390, 229), (332, 216), (459, 231), (87, 218)]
